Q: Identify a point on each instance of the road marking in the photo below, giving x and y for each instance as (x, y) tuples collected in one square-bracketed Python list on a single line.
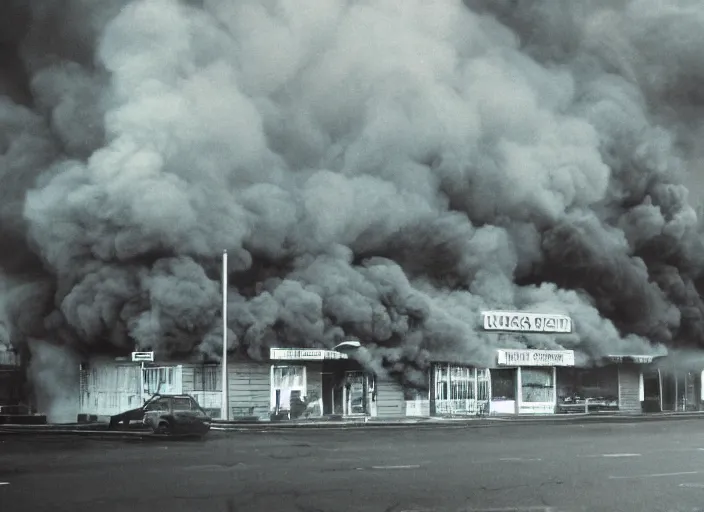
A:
[(655, 475), (513, 509), (415, 466), (518, 459), (4, 483), (609, 455), (692, 485)]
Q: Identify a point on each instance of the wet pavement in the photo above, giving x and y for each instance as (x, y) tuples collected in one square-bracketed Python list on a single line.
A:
[(637, 466)]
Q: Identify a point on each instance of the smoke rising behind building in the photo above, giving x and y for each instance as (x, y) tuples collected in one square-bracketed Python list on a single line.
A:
[(380, 169)]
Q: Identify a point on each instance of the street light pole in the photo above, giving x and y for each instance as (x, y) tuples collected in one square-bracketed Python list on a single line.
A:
[(224, 414)]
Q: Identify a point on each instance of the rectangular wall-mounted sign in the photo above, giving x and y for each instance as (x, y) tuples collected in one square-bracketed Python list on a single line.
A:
[(143, 357), (525, 357), (635, 359), (300, 354), (514, 321)]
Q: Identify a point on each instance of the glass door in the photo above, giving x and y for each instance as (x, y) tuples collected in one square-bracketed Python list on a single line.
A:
[(354, 395)]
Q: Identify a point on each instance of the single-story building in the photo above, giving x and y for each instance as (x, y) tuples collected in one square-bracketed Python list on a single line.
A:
[(297, 382)]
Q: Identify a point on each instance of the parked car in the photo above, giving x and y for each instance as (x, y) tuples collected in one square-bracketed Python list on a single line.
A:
[(165, 414)]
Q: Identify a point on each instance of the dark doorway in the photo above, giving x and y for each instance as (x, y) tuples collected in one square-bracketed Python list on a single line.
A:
[(328, 393), (651, 391), (333, 396), (669, 392)]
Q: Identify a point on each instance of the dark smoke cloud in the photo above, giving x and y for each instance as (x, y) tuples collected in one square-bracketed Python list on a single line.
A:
[(381, 169)]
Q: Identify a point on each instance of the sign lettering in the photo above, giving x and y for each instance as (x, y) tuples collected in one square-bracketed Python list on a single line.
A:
[(295, 354), (524, 357), (143, 356), (526, 322)]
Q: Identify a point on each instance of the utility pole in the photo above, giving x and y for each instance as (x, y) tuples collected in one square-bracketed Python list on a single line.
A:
[(224, 409)]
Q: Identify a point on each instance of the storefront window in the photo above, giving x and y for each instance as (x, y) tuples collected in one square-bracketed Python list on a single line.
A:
[(537, 385), (285, 382), (503, 384), (460, 389), (207, 378), (587, 389)]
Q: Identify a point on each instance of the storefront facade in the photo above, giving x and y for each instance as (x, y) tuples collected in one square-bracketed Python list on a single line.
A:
[(317, 382), (526, 380), (11, 378), (293, 384), (669, 387), (312, 383)]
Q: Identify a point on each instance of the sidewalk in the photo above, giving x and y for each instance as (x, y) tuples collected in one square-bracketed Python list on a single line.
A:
[(406, 422)]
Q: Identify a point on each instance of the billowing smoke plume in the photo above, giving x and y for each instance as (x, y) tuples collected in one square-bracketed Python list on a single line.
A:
[(54, 374), (379, 169)]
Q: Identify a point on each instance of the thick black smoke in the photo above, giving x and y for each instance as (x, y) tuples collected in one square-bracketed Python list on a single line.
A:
[(379, 169)]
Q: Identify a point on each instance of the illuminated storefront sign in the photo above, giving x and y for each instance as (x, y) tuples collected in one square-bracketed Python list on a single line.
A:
[(526, 322), (524, 357), (298, 354)]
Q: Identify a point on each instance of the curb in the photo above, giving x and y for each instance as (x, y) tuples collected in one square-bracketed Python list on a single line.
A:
[(100, 430), (100, 435), (456, 423)]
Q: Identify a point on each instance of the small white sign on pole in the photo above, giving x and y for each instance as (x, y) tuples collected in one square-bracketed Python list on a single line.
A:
[(140, 357)]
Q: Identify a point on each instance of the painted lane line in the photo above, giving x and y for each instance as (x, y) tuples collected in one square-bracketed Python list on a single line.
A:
[(4, 483), (608, 455), (414, 466), (654, 475), (513, 509), (692, 485), (518, 459)]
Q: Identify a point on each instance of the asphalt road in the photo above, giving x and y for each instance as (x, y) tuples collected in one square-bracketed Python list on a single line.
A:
[(653, 466)]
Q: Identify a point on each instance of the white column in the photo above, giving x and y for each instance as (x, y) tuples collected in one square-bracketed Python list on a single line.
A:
[(475, 388), (660, 386), (519, 397), (141, 382), (554, 388)]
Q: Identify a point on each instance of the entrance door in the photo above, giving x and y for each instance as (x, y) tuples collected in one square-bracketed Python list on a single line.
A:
[(166, 380), (651, 391), (669, 392), (328, 386), (354, 393)]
